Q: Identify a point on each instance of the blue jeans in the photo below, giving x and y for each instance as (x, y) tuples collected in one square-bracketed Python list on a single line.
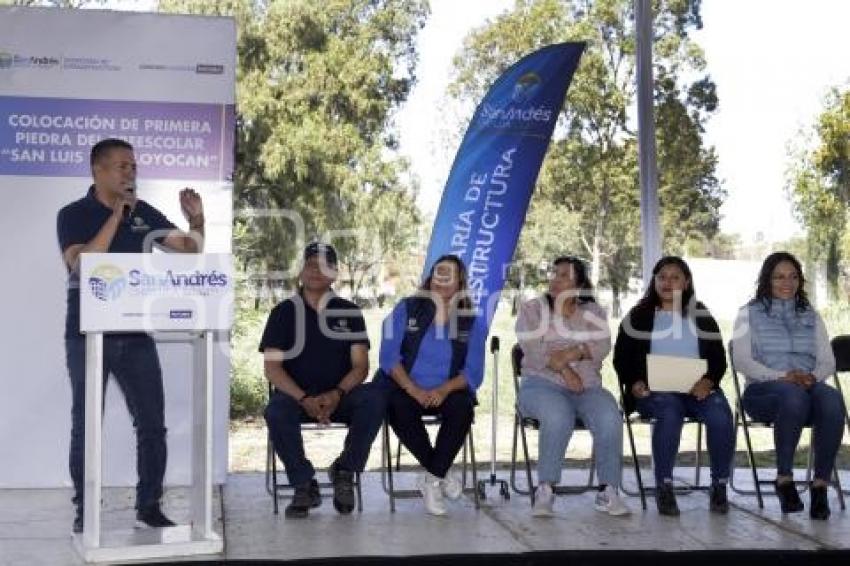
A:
[(362, 409), (790, 407), (132, 359), (556, 409), (669, 411)]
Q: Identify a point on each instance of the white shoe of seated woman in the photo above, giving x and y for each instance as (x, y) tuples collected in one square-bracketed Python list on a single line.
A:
[(432, 493), (452, 486)]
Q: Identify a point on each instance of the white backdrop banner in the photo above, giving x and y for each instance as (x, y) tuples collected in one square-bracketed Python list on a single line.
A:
[(69, 78)]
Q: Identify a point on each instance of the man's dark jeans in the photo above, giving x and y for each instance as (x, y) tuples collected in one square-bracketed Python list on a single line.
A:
[(362, 409), (132, 359)]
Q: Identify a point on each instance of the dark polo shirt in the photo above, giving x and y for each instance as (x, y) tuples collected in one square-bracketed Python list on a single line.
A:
[(80, 221), (316, 345)]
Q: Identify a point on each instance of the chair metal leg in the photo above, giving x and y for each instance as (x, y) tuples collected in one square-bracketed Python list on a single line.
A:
[(273, 460), (641, 490), (698, 455), (359, 493), (512, 475), (473, 466), (527, 460), (741, 419), (388, 456), (836, 482)]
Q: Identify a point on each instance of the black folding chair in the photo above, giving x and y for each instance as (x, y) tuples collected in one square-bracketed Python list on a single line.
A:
[(841, 351), (746, 423), (278, 489), (521, 424), (387, 465), (636, 419)]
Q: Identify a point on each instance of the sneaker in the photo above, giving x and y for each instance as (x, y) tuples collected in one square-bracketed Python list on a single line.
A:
[(343, 482), (432, 493), (608, 501), (152, 517), (789, 499), (544, 501), (819, 505), (452, 487), (78, 521), (718, 502), (665, 500), (306, 496)]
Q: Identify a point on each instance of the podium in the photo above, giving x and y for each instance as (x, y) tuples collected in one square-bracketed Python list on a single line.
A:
[(189, 295)]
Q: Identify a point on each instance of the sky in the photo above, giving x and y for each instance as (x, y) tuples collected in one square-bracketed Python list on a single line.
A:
[(773, 62)]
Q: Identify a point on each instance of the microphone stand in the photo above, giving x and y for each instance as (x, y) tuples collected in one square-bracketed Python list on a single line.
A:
[(504, 491)]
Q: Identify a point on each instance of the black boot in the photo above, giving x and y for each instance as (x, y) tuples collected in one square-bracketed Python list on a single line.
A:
[(789, 499), (819, 505), (665, 499), (718, 503)]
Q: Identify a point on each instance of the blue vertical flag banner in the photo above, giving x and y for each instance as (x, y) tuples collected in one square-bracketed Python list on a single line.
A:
[(489, 187)]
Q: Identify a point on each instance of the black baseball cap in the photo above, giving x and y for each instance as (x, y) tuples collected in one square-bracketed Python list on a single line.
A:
[(326, 251)]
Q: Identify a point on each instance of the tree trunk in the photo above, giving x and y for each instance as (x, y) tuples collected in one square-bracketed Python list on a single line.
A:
[(596, 258), (615, 301), (832, 270)]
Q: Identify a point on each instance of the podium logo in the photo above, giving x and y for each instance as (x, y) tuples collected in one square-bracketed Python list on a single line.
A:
[(107, 282)]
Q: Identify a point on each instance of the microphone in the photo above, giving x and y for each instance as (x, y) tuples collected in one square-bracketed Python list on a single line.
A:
[(127, 210)]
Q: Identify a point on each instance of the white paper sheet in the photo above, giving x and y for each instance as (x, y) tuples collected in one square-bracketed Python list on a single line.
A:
[(672, 373)]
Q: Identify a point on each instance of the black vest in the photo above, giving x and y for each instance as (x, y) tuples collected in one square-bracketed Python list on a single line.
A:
[(420, 315)]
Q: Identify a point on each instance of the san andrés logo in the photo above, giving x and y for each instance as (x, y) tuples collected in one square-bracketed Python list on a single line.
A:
[(170, 278), (516, 109), (106, 282)]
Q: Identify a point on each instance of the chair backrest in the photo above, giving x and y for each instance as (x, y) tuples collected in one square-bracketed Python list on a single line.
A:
[(735, 381), (841, 350), (516, 365)]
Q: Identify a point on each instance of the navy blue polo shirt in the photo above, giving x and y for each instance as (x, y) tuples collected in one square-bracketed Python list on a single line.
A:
[(80, 221), (316, 345)]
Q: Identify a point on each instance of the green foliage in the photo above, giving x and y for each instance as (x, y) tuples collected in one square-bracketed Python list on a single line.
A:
[(317, 83), (589, 178), (819, 184)]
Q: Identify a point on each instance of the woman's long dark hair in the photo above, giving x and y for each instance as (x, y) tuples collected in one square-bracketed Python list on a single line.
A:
[(651, 299), (764, 293), (583, 284), (463, 302)]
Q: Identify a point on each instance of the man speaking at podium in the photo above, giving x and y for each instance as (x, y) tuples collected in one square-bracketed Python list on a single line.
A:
[(110, 218)]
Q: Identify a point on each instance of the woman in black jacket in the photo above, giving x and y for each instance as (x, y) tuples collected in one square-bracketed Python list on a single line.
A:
[(669, 321)]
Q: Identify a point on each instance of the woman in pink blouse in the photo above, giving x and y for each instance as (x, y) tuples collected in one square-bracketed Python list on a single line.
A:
[(564, 337)]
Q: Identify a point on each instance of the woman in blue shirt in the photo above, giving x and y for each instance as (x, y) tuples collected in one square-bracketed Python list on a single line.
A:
[(430, 352), (668, 320), (782, 347)]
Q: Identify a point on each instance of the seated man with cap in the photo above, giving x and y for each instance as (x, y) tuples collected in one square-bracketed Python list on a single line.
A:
[(315, 349)]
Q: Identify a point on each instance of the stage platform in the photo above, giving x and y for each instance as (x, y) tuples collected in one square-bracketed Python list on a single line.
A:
[(35, 525)]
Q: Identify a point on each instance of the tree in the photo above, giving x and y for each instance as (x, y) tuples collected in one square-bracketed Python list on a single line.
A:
[(819, 184), (591, 169), (317, 85)]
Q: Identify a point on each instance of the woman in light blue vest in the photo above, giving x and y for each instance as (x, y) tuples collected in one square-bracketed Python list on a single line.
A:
[(781, 345)]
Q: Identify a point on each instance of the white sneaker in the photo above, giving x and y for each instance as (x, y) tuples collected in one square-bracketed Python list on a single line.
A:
[(432, 493), (452, 486), (609, 501), (544, 501)]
